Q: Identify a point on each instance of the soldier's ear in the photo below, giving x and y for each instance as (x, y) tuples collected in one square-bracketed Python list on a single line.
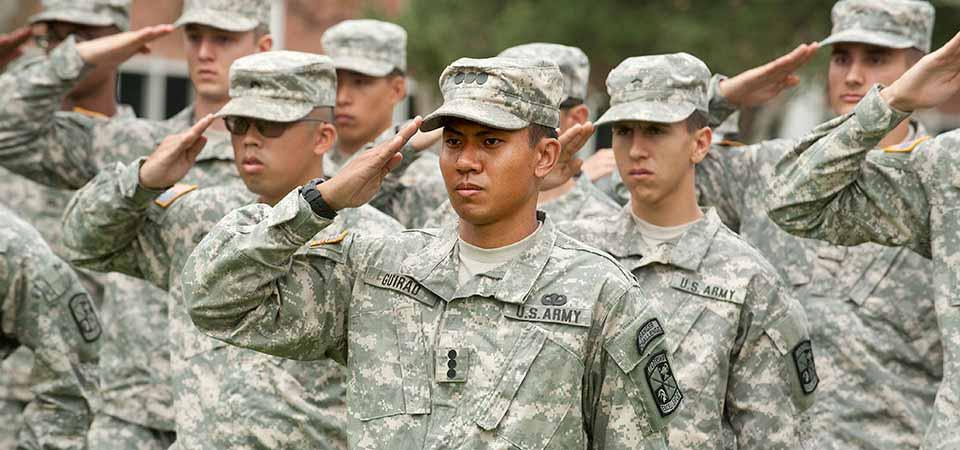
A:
[(265, 43), (702, 139), (325, 137)]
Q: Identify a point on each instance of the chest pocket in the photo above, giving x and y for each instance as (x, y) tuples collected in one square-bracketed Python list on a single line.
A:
[(536, 397), (698, 298), (390, 368)]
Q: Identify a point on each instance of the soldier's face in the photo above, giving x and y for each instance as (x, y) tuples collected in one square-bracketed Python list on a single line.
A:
[(365, 105), (491, 174), (211, 51), (272, 167), (657, 160), (855, 68)]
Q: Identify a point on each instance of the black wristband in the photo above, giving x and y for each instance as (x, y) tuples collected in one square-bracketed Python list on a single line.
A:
[(316, 201)]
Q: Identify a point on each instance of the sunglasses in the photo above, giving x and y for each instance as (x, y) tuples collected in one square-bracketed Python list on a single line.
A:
[(240, 125), (54, 35)]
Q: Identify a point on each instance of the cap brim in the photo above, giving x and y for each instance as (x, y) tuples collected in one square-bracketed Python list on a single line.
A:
[(272, 109), (868, 37), (217, 19), (364, 66), (646, 112), (482, 113), (74, 16)]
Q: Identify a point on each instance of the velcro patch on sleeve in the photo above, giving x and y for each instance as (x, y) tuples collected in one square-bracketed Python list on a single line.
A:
[(85, 316), (806, 368), (663, 385), (173, 194), (648, 332)]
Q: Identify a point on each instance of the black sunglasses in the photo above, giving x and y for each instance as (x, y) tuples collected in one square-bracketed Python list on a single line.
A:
[(240, 125)]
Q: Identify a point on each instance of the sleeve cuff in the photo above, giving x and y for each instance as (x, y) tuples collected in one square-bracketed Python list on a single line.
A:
[(66, 61), (131, 189), (875, 117), (294, 215), (719, 108)]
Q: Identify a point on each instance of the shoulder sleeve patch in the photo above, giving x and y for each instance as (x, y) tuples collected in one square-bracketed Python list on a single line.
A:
[(907, 147), (89, 113), (173, 194), (317, 243)]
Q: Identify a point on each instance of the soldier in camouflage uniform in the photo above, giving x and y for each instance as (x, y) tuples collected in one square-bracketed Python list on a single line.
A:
[(520, 337), (40, 205), (280, 115), (832, 186), (577, 198), (66, 149), (871, 307), (371, 61), (44, 307), (739, 338)]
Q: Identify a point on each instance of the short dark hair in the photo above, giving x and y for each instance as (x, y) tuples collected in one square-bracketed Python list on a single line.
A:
[(536, 132), (696, 121), (260, 31)]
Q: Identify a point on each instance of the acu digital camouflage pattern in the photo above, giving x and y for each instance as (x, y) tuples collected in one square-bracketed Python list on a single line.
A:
[(369, 47), (739, 338), (584, 201), (572, 61), (434, 365), (225, 397), (659, 88), (96, 13), (44, 307), (502, 93), (871, 310), (832, 187), (229, 15), (280, 86), (886, 23)]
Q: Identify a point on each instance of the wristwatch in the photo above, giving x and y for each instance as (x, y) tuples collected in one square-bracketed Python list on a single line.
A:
[(316, 201)]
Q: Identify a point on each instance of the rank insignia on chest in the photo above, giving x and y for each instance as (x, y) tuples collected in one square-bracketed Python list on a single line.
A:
[(663, 385), (806, 368), (452, 364)]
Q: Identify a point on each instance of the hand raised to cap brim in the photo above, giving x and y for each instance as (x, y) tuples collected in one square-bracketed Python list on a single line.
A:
[(568, 164), (10, 45), (360, 179), (931, 81), (761, 84), (113, 50), (174, 157)]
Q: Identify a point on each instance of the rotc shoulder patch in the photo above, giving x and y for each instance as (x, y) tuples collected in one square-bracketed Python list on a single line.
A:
[(663, 385), (730, 143), (806, 368), (905, 147), (649, 331), (173, 194), (85, 317)]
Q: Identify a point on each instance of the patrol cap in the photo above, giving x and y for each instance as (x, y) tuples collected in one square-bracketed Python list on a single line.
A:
[(228, 15), (573, 63), (502, 93), (885, 23), (280, 86), (658, 88), (95, 13), (370, 47)]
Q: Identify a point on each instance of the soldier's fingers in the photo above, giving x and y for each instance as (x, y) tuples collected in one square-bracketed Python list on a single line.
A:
[(393, 163), (151, 33), (386, 151), (197, 130), (15, 38), (194, 150)]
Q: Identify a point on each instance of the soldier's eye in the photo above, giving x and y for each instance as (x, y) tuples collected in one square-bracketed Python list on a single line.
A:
[(623, 131), (491, 141)]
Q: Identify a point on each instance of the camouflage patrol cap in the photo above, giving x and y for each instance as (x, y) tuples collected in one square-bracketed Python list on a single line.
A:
[(886, 23), (370, 47), (659, 88), (228, 15), (573, 63), (280, 86), (95, 13), (502, 93)]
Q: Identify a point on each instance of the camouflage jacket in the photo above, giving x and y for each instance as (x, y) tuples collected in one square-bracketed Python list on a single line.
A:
[(739, 338), (832, 187), (410, 192), (584, 201), (540, 353), (44, 307), (871, 308), (114, 224)]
